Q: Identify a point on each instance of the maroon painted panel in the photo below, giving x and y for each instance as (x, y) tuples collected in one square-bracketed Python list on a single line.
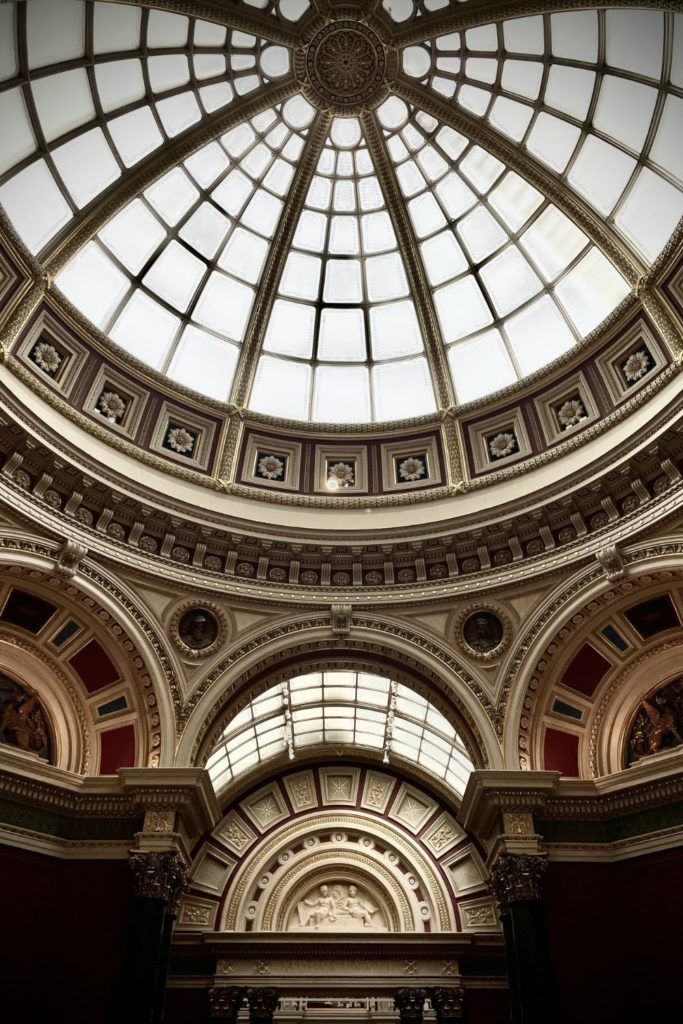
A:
[(585, 670), (94, 666), (561, 752), (117, 749)]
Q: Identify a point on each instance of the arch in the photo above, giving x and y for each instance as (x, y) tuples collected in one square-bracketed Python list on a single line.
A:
[(120, 641), (279, 842), (570, 621), (270, 658)]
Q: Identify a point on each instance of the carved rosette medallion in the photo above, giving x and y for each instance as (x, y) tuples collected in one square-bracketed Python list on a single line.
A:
[(345, 66)]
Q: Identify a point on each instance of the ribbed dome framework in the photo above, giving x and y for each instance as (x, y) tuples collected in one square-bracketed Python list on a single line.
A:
[(515, 181)]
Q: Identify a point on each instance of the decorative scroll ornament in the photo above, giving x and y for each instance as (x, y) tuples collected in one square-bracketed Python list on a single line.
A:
[(612, 562), (516, 877), (158, 876), (410, 1004), (448, 1004)]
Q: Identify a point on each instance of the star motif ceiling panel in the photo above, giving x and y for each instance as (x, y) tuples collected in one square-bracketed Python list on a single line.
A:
[(350, 708), (363, 308)]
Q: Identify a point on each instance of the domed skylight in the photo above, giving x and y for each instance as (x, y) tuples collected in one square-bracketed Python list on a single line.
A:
[(422, 250), (349, 708)]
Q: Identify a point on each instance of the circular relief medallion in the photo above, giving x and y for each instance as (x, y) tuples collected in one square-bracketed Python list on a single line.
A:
[(482, 631), (198, 629), (345, 64)]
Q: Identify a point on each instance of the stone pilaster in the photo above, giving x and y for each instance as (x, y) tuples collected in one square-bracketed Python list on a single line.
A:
[(410, 1004)]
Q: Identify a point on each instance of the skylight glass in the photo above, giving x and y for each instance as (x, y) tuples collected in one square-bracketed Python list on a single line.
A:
[(600, 126), (350, 708), (344, 306), (497, 255), (144, 76), (480, 261), (188, 254)]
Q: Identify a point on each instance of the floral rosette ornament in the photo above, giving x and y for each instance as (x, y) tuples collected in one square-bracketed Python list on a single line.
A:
[(270, 467), (502, 445), (46, 357), (571, 413), (111, 405), (341, 473), (411, 468), (180, 440), (636, 366)]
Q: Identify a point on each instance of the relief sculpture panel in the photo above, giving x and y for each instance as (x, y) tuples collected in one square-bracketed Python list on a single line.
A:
[(337, 906)]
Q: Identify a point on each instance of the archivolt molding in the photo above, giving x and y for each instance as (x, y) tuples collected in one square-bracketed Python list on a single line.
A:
[(236, 897), (609, 721), (392, 650), (72, 726), (567, 614), (517, 159), (102, 600)]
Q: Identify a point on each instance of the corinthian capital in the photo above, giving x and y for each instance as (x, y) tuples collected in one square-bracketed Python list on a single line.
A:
[(158, 876), (516, 877), (410, 1004)]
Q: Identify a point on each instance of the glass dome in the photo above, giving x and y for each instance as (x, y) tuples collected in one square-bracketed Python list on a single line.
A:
[(499, 194)]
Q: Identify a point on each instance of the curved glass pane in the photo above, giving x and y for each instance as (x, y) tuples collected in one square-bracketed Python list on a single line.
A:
[(172, 277), (87, 90), (352, 708), (594, 95), (344, 333)]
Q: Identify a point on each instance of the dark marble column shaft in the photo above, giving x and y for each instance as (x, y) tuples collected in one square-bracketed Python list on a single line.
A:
[(516, 880)]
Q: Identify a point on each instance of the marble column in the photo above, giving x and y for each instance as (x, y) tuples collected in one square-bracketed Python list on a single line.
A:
[(516, 881), (410, 1004), (262, 1005), (158, 880), (225, 1002), (448, 1004)]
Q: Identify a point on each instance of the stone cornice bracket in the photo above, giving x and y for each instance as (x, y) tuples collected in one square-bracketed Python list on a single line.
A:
[(158, 876), (410, 1004), (68, 558), (493, 796), (341, 618), (225, 1002), (612, 562), (262, 1003), (516, 877), (447, 1003)]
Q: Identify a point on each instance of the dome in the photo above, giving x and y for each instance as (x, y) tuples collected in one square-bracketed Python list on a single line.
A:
[(339, 254), (315, 255)]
